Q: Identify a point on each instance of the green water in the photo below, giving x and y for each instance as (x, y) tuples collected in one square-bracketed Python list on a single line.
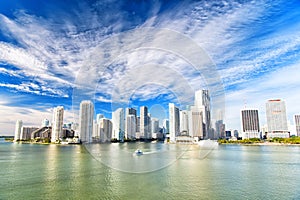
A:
[(30, 171)]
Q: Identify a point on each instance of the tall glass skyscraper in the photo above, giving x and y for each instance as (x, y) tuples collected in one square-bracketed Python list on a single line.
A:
[(297, 124), (86, 116), (276, 119), (202, 102), (118, 121)]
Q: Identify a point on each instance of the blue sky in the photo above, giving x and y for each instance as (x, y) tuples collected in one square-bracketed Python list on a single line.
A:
[(134, 53)]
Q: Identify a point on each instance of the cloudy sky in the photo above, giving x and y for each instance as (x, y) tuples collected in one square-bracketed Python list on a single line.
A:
[(133, 53)]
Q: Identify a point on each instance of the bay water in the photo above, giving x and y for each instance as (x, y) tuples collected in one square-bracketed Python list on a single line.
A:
[(164, 171)]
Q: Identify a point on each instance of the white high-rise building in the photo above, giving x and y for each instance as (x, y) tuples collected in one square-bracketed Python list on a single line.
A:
[(250, 123), (86, 116), (196, 122), (57, 123), (105, 127), (276, 119), (118, 122), (184, 122), (202, 102), (297, 124), (174, 122), (145, 123), (18, 130), (130, 127)]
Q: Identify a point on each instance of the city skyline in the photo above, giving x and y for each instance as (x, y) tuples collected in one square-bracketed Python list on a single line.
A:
[(48, 52)]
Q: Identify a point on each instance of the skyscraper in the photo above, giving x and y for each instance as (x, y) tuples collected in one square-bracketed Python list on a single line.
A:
[(184, 122), (250, 124), (105, 126), (174, 122), (130, 121), (276, 119), (196, 122), (202, 102), (118, 122), (297, 124), (57, 123), (18, 130), (86, 116), (145, 123), (130, 127), (166, 126)]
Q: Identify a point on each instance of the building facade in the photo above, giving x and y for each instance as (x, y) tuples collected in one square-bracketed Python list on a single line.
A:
[(202, 102), (18, 129), (57, 123), (174, 122), (276, 119), (250, 124), (86, 116), (297, 124), (118, 122)]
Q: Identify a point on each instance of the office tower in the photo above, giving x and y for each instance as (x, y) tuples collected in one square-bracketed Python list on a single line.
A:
[(98, 117), (18, 129), (130, 127), (154, 126), (144, 123), (118, 122), (105, 128), (174, 122), (86, 116), (130, 111), (196, 122), (130, 120), (184, 122), (45, 123), (166, 127), (96, 131), (202, 101), (297, 124), (250, 123), (276, 119), (220, 128), (57, 123)]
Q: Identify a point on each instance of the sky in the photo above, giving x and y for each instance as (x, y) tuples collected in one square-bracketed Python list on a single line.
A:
[(134, 53)]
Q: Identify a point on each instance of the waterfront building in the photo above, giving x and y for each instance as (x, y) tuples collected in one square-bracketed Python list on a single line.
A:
[(118, 122), (86, 116), (96, 131), (250, 123), (220, 128), (57, 123), (26, 132), (196, 129), (154, 127), (105, 127), (276, 119), (18, 129), (297, 124), (166, 129), (184, 122), (202, 102), (130, 127), (174, 122), (145, 123)]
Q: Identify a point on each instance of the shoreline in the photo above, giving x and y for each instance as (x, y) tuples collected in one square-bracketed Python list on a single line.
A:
[(261, 144)]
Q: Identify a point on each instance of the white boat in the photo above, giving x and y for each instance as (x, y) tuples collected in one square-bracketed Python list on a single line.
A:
[(208, 144), (138, 152)]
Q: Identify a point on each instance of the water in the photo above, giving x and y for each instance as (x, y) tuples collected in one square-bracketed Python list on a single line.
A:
[(31, 171)]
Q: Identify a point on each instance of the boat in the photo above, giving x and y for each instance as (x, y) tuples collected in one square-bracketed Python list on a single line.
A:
[(208, 144), (138, 152)]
